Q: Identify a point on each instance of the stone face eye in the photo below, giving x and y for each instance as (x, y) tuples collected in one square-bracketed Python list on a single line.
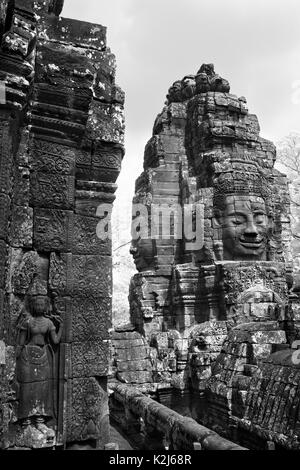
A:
[(237, 221), (260, 218)]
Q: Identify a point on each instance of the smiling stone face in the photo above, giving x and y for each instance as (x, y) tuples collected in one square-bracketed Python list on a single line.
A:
[(245, 228), (143, 254)]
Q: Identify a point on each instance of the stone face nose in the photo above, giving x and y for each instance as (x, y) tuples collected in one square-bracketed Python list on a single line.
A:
[(251, 233), (251, 229)]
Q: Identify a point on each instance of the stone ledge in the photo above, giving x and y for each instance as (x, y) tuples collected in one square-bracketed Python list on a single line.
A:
[(178, 428)]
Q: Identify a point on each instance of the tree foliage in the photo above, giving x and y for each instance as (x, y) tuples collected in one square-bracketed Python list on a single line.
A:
[(288, 156)]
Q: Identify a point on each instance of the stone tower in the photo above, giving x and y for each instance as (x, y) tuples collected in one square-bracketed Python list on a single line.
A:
[(214, 298), (234, 267)]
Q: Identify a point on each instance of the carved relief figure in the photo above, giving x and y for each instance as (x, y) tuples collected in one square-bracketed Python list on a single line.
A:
[(35, 365)]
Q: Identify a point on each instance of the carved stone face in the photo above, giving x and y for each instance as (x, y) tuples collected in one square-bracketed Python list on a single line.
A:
[(188, 87), (39, 305), (245, 228), (175, 92), (143, 255)]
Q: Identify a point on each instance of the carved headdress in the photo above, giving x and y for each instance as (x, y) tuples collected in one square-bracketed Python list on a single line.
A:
[(37, 287), (242, 182)]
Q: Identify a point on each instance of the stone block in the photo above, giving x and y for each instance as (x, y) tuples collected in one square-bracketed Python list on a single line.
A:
[(270, 337), (120, 334), (185, 321), (89, 358), (129, 343), (57, 230), (64, 65), (137, 377), (98, 174), (131, 366), (85, 319), (49, 156), (94, 199), (69, 31), (85, 237), (80, 275), (52, 190), (261, 351), (21, 229), (104, 86), (164, 175), (86, 409), (107, 156), (132, 354), (106, 123), (53, 229), (21, 192)]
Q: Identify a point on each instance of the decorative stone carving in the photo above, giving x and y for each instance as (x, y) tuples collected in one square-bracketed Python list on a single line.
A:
[(58, 164), (245, 228), (87, 409), (36, 372)]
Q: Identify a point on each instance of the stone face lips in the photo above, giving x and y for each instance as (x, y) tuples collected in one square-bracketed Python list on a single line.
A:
[(62, 132)]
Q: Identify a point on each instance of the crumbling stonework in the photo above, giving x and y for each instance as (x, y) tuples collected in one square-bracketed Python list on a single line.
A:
[(216, 304), (62, 134)]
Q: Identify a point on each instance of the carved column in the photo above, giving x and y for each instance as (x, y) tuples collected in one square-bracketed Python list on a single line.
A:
[(62, 139)]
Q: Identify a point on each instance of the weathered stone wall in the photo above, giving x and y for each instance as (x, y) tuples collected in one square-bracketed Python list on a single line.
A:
[(131, 362), (62, 134), (272, 401), (254, 388)]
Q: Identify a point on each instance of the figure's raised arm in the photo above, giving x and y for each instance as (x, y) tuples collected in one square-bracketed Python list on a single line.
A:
[(56, 337)]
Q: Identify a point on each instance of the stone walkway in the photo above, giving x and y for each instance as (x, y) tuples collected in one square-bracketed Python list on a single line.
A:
[(117, 437)]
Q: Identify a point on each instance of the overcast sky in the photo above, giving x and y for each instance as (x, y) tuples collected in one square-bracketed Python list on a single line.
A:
[(255, 44)]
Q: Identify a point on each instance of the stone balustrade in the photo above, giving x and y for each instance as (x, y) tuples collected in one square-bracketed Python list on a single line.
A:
[(174, 431)]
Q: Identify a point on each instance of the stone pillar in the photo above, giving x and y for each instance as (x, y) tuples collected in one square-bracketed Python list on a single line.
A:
[(62, 135)]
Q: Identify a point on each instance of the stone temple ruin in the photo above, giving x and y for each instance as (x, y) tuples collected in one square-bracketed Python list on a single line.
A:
[(209, 359), (216, 321)]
